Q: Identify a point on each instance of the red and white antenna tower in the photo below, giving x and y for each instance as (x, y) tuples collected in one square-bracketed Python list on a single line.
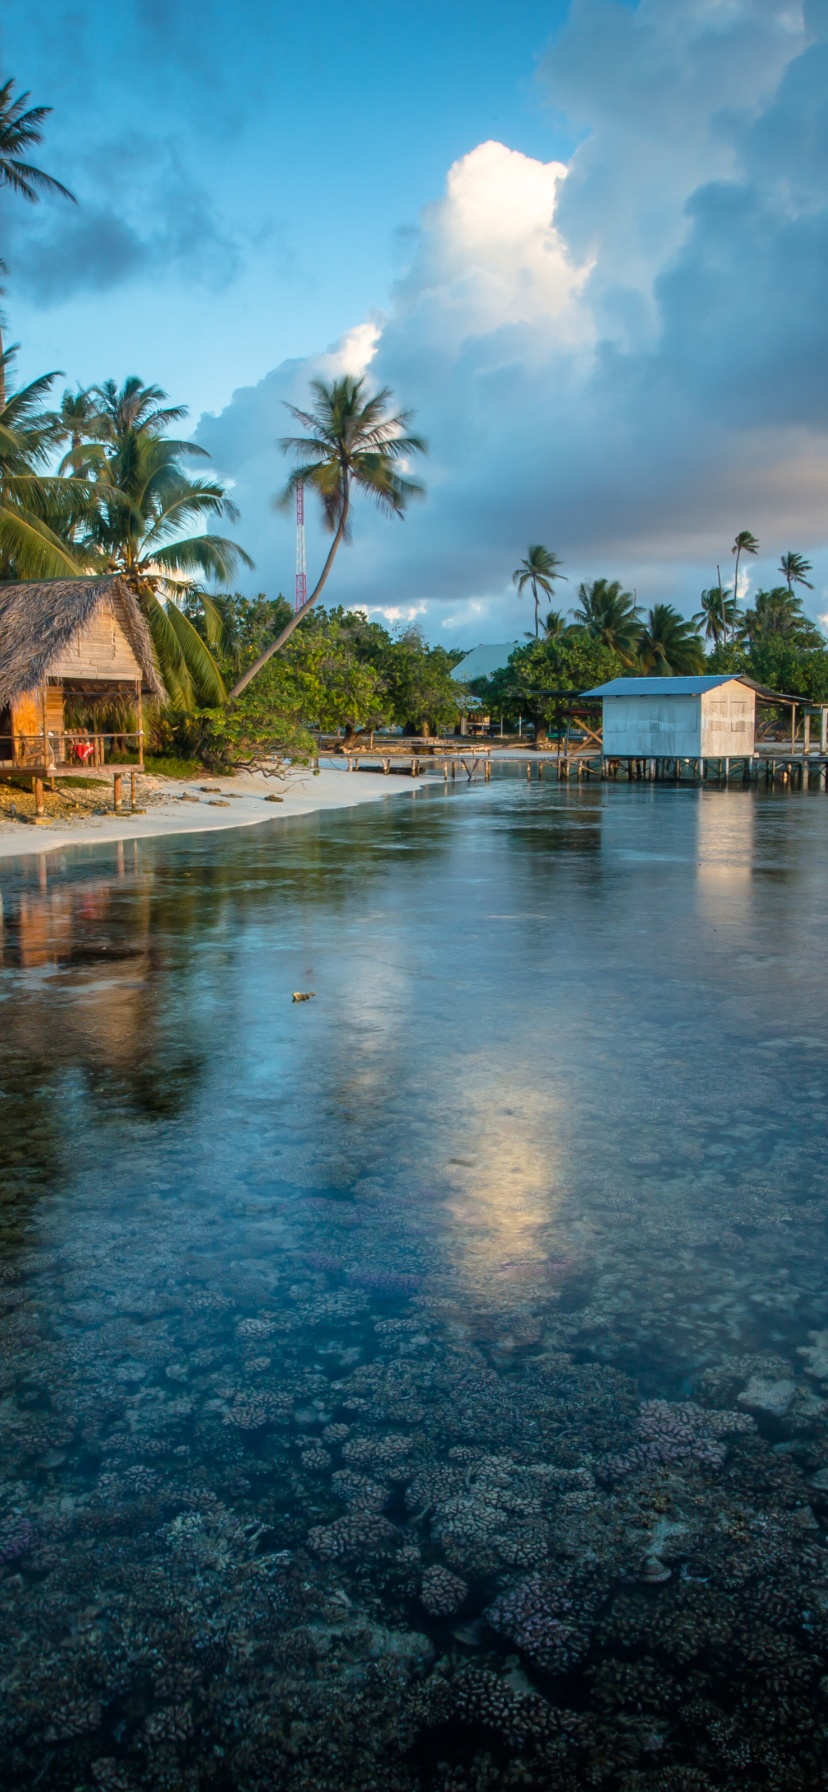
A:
[(301, 572)]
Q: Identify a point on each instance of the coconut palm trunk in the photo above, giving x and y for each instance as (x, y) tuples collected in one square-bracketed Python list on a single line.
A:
[(352, 442), (242, 683)]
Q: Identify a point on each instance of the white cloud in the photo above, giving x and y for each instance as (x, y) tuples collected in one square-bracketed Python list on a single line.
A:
[(626, 358)]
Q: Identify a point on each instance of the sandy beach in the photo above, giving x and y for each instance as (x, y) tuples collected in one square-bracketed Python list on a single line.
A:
[(186, 807)]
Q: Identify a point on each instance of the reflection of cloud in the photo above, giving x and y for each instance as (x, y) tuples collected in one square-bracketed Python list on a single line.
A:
[(725, 855), (501, 1167)]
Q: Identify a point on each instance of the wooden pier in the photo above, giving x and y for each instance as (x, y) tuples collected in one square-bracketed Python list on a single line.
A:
[(771, 763)]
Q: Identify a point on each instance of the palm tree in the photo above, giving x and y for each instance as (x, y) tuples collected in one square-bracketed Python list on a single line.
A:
[(778, 613), (19, 129), (140, 501), (668, 645), (539, 570), (718, 614), (554, 626), (352, 444), (78, 418), (35, 506), (745, 543), (609, 615), (794, 568)]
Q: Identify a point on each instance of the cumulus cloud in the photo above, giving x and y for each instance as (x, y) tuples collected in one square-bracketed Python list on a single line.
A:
[(625, 358)]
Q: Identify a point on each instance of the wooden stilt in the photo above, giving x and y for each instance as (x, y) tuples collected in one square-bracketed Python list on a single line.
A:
[(37, 786), (132, 789), (116, 791), (140, 729)]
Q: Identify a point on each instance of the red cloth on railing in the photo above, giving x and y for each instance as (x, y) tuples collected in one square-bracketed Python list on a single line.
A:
[(83, 749)]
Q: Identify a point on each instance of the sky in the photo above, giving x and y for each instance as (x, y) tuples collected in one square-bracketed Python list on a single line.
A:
[(586, 241)]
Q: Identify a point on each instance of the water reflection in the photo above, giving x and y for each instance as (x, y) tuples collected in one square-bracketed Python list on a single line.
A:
[(423, 1386)]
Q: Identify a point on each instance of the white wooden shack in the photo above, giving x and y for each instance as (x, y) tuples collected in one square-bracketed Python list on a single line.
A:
[(677, 718)]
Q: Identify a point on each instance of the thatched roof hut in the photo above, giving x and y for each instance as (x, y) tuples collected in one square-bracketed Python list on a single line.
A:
[(80, 638), (48, 632)]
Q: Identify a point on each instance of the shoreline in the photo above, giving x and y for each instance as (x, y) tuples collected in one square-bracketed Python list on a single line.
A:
[(302, 793)]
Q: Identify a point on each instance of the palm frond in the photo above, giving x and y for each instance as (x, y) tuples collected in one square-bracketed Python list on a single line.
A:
[(208, 684)]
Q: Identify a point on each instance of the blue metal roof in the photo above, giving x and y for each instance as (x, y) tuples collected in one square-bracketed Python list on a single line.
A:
[(661, 687), (483, 661)]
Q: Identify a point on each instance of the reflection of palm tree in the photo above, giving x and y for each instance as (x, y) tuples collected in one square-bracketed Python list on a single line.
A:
[(610, 615), (718, 614), (539, 570), (745, 543), (352, 443), (19, 129), (668, 645), (794, 568)]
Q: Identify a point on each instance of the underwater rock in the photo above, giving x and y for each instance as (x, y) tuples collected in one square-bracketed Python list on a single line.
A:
[(772, 1399), (816, 1355)]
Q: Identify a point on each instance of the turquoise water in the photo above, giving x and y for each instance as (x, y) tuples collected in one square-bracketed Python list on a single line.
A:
[(421, 1387)]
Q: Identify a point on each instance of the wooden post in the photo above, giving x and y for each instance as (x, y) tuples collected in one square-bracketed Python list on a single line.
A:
[(37, 786), (140, 729), (540, 768), (132, 789), (528, 769), (823, 729), (793, 727), (45, 731), (806, 734), (445, 771), (116, 786)]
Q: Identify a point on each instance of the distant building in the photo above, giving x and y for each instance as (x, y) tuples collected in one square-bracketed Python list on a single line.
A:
[(483, 661), (677, 718)]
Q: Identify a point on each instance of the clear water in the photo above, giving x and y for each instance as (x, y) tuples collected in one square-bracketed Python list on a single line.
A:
[(421, 1386)]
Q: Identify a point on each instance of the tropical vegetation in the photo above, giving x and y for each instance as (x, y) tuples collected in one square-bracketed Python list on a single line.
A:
[(353, 443)]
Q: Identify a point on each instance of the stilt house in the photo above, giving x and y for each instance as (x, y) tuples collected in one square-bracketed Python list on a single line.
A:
[(678, 718), (62, 638)]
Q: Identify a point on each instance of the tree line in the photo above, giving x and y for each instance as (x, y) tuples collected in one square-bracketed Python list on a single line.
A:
[(607, 635)]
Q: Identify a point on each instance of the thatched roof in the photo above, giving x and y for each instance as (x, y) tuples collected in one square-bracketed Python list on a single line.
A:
[(39, 617)]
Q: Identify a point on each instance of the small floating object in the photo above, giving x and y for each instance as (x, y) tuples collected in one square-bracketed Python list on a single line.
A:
[(304, 995), (274, 799)]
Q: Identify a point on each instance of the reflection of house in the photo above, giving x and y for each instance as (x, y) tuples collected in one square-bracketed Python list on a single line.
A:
[(678, 718), (60, 638)]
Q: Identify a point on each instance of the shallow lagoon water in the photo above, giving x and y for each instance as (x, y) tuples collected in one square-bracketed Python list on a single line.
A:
[(422, 1387)]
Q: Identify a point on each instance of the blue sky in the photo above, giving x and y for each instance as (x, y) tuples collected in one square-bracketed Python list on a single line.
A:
[(251, 176), (586, 240)]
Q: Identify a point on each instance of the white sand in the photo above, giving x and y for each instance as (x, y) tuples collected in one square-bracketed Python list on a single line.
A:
[(304, 794)]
